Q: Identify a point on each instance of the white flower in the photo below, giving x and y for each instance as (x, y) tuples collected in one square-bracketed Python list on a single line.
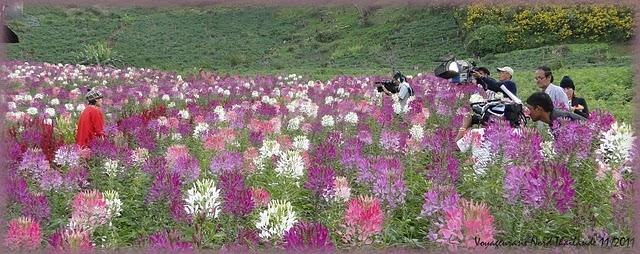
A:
[(475, 98), (50, 111), (140, 156), (255, 94), (80, 107), (327, 121), (184, 114), (39, 96), (219, 110), (616, 144), (54, 102), (301, 142), (202, 199), (290, 164), (294, 123), (166, 97), (276, 219), (417, 132), (351, 118), (171, 104), (114, 205), (397, 108), (176, 136), (200, 129), (548, 151), (69, 106), (269, 148), (11, 105), (340, 91), (227, 92), (111, 167), (328, 100), (32, 111)]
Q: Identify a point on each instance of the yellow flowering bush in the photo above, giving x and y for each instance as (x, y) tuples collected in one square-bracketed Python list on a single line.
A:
[(527, 26)]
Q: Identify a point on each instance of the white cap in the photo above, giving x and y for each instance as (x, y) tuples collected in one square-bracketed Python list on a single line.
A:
[(506, 69)]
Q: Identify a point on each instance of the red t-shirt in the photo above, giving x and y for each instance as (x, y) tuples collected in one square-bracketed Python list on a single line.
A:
[(90, 125)]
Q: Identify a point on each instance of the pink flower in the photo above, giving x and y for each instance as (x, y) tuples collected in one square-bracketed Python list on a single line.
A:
[(478, 222), (249, 156), (363, 220), (214, 142), (174, 152), (89, 209), (24, 233), (71, 239), (260, 196)]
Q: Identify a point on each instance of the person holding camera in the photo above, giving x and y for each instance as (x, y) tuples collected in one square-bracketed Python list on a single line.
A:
[(490, 84), (578, 105), (544, 80), (400, 86)]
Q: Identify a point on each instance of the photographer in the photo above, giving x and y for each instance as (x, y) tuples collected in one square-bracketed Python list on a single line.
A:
[(399, 86), (488, 83)]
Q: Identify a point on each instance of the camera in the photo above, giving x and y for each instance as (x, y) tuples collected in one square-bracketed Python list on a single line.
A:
[(389, 85), (459, 71), (510, 111)]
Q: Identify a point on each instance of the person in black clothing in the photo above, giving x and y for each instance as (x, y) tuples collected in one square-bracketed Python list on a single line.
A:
[(488, 83), (541, 108), (578, 105)]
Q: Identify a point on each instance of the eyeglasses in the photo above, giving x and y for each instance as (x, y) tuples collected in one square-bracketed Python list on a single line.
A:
[(540, 78)]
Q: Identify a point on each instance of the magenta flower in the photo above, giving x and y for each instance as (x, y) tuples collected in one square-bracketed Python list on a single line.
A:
[(307, 236), (23, 233), (320, 180), (168, 240)]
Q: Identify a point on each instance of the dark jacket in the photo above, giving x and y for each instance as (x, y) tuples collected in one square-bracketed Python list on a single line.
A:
[(494, 85), (584, 112)]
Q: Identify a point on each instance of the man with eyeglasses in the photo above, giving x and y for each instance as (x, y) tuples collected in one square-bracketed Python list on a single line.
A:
[(544, 80)]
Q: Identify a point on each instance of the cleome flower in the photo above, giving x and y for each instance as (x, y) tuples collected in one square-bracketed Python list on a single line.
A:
[(276, 220)]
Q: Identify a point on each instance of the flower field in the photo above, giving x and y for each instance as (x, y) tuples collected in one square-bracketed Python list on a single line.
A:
[(261, 162)]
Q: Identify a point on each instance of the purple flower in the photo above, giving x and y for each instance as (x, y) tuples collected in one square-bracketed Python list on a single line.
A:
[(168, 240), (76, 177), (431, 203), (573, 138), (256, 137), (34, 163), (535, 187), (165, 185), (390, 140), (365, 137), (237, 197), (388, 183), (154, 165), (563, 191), (36, 206), (187, 167), (435, 170), (307, 236), (320, 180), (513, 182), (51, 179), (325, 152), (226, 162)]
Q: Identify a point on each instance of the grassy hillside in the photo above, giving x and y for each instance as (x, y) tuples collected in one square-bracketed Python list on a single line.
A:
[(320, 42)]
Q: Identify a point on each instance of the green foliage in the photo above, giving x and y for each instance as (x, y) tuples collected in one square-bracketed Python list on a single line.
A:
[(485, 40), (98, 54)]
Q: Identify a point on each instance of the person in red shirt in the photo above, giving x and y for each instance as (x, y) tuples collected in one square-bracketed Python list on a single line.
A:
[(91, 122)]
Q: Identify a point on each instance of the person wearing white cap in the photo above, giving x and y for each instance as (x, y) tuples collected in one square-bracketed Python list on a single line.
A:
[(504, 78)]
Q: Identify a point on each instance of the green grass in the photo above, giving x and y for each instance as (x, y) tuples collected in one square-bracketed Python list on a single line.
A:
[(316, 42)]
